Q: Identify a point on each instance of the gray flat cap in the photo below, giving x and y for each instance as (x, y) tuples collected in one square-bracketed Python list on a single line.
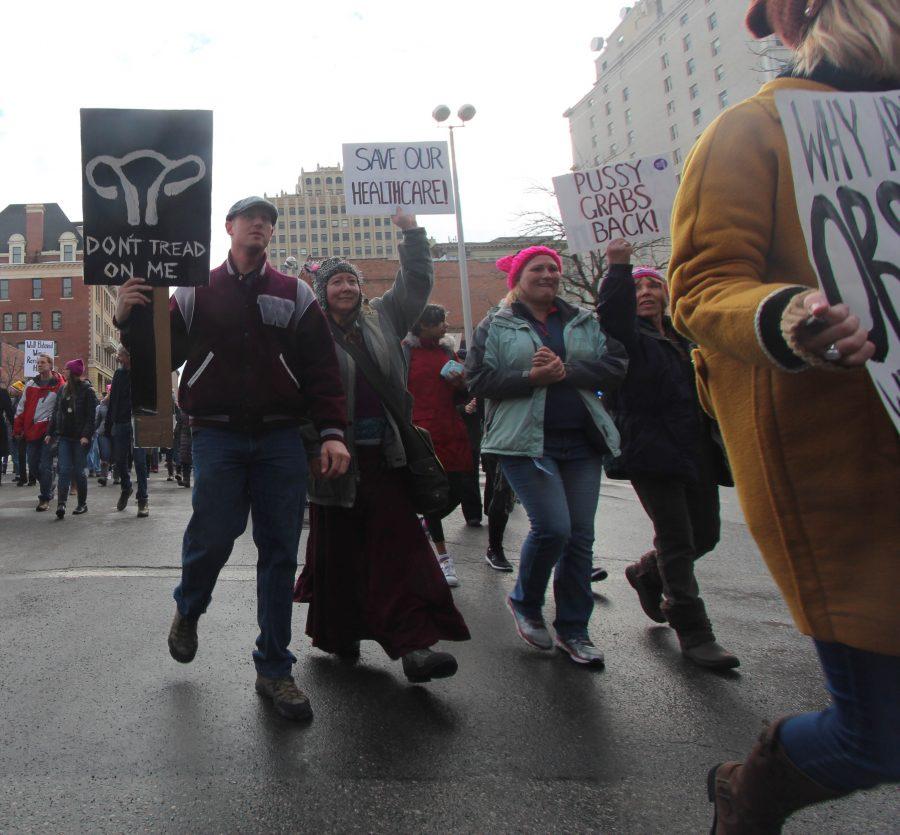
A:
[(250, 202)]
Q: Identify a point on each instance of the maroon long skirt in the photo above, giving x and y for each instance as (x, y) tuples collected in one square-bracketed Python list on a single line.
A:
[(370, 573)]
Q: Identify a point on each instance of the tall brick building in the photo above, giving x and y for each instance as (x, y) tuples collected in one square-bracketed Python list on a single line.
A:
[(42, 289)]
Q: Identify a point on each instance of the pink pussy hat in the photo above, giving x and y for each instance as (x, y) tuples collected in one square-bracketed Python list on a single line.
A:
[(76, 366), (513, 265), (649, 272)]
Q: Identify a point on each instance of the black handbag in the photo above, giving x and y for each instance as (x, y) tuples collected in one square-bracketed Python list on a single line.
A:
[(426, 481)]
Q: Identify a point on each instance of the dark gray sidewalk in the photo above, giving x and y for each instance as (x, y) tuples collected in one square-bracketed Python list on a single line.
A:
[(103, 732)]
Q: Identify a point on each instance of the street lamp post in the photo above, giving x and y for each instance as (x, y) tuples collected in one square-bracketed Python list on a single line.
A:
[(465, 113)]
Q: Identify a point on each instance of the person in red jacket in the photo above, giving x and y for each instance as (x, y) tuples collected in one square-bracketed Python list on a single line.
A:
[(437, 383), (32, 419)]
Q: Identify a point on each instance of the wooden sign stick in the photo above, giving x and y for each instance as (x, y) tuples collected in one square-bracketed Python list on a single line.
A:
[(156, 430)]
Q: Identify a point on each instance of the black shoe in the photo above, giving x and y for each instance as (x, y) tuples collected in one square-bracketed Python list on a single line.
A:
[(649, 596), (123, 498), (473, 523), (349, 653), (711, 655), (60, 511), (20, 483), (82, 508), (101, 481), (32, 482), (422, 665), (496, 559), (598, 574), (183, 639)]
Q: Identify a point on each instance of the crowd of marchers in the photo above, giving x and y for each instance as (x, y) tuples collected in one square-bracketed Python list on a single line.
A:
[(733, 369)]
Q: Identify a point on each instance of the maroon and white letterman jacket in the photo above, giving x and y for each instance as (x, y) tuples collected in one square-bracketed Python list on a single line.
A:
[(259, 353)]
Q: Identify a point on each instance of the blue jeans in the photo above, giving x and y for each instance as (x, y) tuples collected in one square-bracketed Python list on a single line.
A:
[(236, 474), (93, 456), (72, 460), (854, 743), (40, 461), (124, 452), (560, 493)]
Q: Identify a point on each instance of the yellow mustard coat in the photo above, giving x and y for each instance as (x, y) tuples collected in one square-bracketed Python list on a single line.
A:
[(815, 456)]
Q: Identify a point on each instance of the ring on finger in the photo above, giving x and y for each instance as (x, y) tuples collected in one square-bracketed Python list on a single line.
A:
[(832, 353)]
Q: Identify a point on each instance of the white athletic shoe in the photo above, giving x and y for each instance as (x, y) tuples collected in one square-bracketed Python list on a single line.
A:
[(446, 563)]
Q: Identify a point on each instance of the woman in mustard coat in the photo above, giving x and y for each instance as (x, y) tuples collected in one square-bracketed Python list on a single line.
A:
[(814, 453)]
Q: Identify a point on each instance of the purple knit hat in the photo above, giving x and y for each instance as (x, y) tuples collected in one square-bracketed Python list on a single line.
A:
[(76, 367)]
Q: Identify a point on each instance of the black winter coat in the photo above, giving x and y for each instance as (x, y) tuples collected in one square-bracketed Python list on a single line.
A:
[(73, 415), (656, 409), (6, 421)]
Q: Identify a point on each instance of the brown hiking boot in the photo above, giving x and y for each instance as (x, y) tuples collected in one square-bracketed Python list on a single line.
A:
[(289, 700), (755, 797), (649, 592), (183, 639), (710, 654)]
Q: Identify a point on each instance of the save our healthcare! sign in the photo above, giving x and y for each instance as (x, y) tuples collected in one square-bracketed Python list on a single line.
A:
[(845, 155), (380, 177), (147, 195), (631, 200), (33, 349)]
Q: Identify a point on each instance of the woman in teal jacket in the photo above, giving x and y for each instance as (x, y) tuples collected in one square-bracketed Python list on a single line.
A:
[(539, 362)]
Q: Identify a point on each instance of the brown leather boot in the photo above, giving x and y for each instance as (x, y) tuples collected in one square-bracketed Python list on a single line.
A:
[(755, 797), (643, 577)]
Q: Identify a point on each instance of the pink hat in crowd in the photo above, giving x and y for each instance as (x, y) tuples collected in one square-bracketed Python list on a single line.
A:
[(651, 273), (513, 265), (76, 366)]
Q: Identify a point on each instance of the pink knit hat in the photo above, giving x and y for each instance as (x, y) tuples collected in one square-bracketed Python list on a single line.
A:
[(651, 273), (513, 265), (76, 366)]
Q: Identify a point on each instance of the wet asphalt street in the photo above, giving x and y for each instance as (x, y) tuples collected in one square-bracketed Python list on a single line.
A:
[(101, 731)]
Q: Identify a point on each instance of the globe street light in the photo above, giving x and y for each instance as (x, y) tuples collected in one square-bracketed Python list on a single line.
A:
[(440, 114)]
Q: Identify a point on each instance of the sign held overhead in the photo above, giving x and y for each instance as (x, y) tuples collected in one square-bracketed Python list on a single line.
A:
[(630, 199), (147, 195), (381, 177)]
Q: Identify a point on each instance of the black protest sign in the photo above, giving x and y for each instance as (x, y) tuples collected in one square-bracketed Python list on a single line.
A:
[(845, 153), (146, 195)]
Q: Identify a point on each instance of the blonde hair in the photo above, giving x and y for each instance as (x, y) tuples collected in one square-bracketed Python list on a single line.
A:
[(511, 296), (856, 35)]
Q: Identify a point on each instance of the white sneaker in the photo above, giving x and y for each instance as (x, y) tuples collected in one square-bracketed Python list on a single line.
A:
[(446, 563)]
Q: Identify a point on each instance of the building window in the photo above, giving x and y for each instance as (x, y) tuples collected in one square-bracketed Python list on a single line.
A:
[(694, 91), (673, 132), (23, 321), (686, 43), (690, 66), (594, 141), (7, 321), (56, 320), (36, 321), (697, 116), (17, 254), (631, 137), (715, 46), (723, 99), (367, 236), (609, 130), (627, 116), (712, 22), (357, 236), (676, 156), (613, 149), (368, 250), (719, 72), (664, 61), (626, 94), (667, 84), (68, 252), (684, 20), (609, 109), (292, 210), (67, 288), (379, 250), (670, 107), (4, 288)]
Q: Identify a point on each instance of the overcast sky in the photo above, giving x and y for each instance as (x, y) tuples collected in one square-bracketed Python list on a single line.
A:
[(289, 82)]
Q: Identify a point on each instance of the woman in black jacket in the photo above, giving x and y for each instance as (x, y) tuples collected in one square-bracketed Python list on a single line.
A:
[(72, 425), (668, 452)]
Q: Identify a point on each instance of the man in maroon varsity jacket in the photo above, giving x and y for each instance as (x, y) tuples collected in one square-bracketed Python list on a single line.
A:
[(252, 329)]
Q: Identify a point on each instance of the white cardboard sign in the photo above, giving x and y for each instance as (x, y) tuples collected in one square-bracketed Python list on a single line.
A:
[(380, 177), (630, 199), (845, 155), (33, 349)]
